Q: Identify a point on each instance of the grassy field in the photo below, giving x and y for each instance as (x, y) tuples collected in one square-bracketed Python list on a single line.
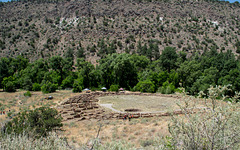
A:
[(144, 103)]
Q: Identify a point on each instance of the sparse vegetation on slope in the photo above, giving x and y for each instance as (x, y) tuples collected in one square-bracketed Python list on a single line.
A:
[(93, 29)]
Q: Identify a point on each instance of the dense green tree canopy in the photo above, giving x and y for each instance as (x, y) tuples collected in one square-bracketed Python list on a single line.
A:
[(130, 71), (118, 69), (168, 58)]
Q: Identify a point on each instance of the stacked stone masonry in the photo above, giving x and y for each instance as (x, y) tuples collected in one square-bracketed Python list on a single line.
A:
[(85, 106)]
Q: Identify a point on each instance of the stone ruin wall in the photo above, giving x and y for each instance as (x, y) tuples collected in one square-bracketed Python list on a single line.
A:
[(85, 106)]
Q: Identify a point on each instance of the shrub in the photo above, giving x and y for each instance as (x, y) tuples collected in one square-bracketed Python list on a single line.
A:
[(146, 143), (9, 84), (48, 87), (166, 88), (170, 89), (114, 88), (36, 87), (214, 127), (78, 85), (114, 144), (9, 114), (24, 142), (96, 88), (37, 122), (161, 90), (26, 83), (144, 86), (77, 89), (10, 87), (2, 107), (238, 50), (67, 82), (28, 93)]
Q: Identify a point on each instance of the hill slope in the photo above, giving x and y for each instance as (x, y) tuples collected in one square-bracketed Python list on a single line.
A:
[(97, 27)]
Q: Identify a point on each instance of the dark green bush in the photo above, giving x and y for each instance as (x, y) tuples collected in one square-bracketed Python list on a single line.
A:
[(37, 122), (25, 83), (10, 87), (67, 82), (28, 93), (9, 84), (144, 86), (167, 88), (48, 87), (78, 85), (96, 88), (114, 88), (36, 87)]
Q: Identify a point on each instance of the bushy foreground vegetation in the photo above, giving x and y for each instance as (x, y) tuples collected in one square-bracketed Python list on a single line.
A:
[(132, 72), (24, 142), (215, 125), (35, 123), (33, 129)]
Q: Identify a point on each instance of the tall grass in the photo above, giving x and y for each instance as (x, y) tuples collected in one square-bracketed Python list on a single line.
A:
[(24, 142), (53, 142), (114, 145)]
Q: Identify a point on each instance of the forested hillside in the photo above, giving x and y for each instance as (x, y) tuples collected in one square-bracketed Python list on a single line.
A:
[(94, 28)]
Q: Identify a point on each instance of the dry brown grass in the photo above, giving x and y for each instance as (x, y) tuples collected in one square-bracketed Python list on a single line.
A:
[(135, 131), (17, 101)]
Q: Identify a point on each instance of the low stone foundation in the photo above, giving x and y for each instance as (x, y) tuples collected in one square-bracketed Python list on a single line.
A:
[(85, 106)]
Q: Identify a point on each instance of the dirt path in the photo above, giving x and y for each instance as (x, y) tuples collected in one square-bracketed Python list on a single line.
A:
[(109, 106)]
